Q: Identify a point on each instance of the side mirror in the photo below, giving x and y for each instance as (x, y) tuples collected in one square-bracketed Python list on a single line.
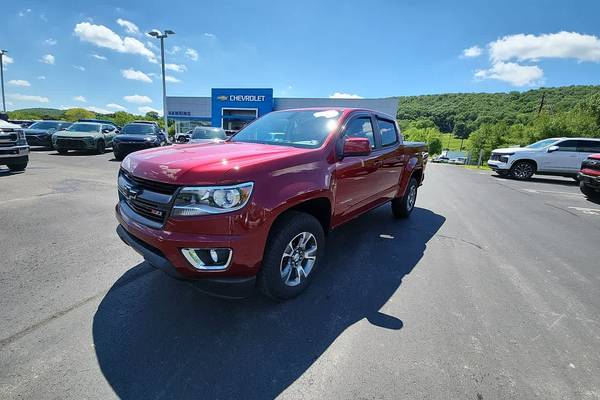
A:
[(105, 130), (356, 146), (552, 148)]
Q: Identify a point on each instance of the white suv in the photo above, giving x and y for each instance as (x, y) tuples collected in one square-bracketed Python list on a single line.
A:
[(556, 156)]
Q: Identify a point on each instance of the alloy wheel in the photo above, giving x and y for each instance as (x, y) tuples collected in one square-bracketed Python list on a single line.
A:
[(298, 259)]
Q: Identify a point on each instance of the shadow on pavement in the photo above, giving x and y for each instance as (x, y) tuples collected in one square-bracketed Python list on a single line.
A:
[(157, 337), (556, 180)]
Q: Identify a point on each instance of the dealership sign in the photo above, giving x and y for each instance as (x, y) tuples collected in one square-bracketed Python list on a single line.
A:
[(242, 97)]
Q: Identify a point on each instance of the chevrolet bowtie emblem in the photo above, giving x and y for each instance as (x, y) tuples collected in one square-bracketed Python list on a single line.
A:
[(222, 98)]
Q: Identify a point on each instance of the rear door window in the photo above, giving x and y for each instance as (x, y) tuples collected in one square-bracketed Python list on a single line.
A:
[(589, 146), (388, 132)]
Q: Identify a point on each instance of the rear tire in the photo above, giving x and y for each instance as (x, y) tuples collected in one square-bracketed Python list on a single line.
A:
[(402, 207), (17, 167), (62, 151), (522, 170), (100, 147), (118, 155), (281, 276)]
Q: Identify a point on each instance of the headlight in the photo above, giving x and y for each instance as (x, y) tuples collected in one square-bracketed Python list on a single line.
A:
[(203, 200)]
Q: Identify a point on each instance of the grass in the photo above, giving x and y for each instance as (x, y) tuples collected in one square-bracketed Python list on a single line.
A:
[(452, 143), (476, 167)]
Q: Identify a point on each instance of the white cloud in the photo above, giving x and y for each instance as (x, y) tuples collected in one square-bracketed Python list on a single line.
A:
[(138, 99), (102, 36), (191, 54), (116, 106), (135, 75), (98, 110), (152, 45), (80, 99), (41, 77), (6, 59), (176, 67), (171, 79), (99, 57), (51, 42), (24, 12), (48, 59), (174, 50), (524, 47), (515, 74), (129, 26), (146, 109), (19, 82), (340, 95), (210, 35), (79, 67), (28, 98), (474, 51)]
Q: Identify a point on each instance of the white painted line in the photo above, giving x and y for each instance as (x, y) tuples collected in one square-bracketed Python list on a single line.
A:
[(551, 191), (587, 211), (386, 236)]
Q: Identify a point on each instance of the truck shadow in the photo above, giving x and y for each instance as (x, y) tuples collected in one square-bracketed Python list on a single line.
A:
[(157, 337)]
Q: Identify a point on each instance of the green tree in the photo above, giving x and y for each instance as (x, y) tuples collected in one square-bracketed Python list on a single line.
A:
[(75, 114), (435, 146), (152, 115)]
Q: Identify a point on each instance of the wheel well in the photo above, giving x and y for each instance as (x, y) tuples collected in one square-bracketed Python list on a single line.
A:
[(320, 208), (418, 175), (532, 162)]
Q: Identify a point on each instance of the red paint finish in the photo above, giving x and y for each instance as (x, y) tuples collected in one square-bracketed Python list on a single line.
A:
[(591, 172), (284, 177)]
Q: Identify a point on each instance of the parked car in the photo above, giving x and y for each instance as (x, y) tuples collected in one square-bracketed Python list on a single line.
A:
[(183, 137), (138, 136), (92, 136), (458, 161), (204, 134), (555, 156), (440, 159), (40, 133), (24, 123), (589, 176), (253, 210), (14, 150)]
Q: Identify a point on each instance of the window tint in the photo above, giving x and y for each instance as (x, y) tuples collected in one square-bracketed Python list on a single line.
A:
[(388, 132), (361, 127), (567, 145), (589, 146)]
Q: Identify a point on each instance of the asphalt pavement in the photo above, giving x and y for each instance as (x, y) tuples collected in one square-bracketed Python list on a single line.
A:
[(491, 290)]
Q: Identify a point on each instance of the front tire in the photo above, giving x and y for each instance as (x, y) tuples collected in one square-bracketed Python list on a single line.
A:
[(522, 170), (118, 155), (294, 251), (100, 147), (62, 151), (402, 207), (588, 191), (17, 167)]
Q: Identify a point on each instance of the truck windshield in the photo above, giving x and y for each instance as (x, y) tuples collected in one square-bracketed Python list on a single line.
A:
[(305, 128), (138, 129), (45, 125), (84, 128), (541, 144)]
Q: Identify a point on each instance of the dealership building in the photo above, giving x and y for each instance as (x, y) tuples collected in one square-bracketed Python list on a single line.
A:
[(232, 109)]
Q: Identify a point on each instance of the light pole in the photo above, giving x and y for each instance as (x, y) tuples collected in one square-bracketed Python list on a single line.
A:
[(2, 53), (162, 37)]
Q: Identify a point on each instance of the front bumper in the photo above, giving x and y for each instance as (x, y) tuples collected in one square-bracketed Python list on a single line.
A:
[(498, 165), (74, 144), (589, 179), (228, 287), (14, 154), (40, 140), (129, 147)]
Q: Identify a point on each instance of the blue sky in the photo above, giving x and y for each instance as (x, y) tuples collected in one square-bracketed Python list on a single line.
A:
[(96, 54)]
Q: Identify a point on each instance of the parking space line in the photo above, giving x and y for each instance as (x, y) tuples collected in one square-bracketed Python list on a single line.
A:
[(587, 211), (551, 191)]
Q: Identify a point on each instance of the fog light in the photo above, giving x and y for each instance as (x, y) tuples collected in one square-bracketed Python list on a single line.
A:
[(208, 259)]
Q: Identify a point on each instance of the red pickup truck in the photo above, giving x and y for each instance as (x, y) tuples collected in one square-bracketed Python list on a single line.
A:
[(253, 211), (589, 176)]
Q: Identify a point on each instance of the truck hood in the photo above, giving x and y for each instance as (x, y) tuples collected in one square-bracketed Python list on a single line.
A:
[(205, 163), (512, 150)]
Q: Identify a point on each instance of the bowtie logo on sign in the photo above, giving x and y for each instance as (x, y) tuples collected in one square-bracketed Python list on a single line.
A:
[(223, 98)]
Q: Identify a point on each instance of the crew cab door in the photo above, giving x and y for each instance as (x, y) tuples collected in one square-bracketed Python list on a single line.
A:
[(566, 159), (390, 156), (355, 175)]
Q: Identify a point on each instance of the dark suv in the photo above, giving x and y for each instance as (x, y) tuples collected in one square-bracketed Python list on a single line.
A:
[(137, 136), (40, 132)]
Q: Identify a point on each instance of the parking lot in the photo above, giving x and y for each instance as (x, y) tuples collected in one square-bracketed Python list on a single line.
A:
[(490, 290)]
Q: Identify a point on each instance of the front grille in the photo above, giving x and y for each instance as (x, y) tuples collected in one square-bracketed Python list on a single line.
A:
[(159, 187), (495, 157), (149, 199), (8, 138), (77, 144), (591, 163)]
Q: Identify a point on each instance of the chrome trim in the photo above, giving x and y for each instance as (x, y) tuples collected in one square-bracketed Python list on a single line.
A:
[(201, 267)]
